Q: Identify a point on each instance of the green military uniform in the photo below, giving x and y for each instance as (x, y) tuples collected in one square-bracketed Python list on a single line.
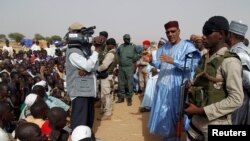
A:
[(219, 77), (203, 91), (128, 54)]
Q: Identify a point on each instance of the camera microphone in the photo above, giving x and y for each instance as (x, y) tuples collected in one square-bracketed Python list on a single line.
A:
[(92, 27), (88, 29)]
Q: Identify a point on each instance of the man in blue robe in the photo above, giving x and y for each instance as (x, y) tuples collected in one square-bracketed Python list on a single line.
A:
[(170, 59)]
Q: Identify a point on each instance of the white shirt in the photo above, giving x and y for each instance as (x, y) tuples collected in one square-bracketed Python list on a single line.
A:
[(53, 50), (9, 49), (49, 51), (35, 47), (82, 63)]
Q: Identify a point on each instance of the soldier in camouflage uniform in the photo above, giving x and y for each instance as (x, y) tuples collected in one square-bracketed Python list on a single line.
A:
[(217, 87), (105, 72)]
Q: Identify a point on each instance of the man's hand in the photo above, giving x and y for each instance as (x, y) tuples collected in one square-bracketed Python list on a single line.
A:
[(194, 110), (82, 73), (166, 58), (188, 86), (154, 71)]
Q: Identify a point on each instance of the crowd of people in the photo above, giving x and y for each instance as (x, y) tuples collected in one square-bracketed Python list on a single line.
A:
[(47, 94)]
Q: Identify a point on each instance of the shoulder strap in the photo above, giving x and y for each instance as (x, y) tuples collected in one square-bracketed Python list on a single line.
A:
[(216, 63)]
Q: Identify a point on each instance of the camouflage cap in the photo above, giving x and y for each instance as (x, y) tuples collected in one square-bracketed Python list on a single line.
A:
[(75, 26), (126, 36)]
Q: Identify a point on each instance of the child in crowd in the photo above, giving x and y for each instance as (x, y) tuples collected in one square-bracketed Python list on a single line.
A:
[(59, 92), (6, 116), (38, 112), (29, 132), (54, 126)]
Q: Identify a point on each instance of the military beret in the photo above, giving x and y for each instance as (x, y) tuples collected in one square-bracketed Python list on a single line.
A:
[(111, 41), (104, 33), (215, 23), (126, 36)]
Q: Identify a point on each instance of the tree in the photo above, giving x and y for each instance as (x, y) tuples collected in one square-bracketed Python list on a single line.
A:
[(56, 38), (48, 39), (16, 36), (38, 37), (2, 37)]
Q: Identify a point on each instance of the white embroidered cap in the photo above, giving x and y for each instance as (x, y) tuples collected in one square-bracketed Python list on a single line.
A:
[(238, 27), (30, 99), (81, 132), (41, 83)]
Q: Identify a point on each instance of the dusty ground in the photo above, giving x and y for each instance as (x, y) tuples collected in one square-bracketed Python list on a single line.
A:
[(126, 124)]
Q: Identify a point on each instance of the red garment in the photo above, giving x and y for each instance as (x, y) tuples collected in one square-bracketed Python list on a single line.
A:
[(46, 130), (146, 42), (33, 58)]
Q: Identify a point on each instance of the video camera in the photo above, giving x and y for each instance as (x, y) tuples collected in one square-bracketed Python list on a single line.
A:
[(80, 38)]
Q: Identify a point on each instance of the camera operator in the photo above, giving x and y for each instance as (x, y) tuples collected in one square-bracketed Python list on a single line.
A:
[(80, 75)]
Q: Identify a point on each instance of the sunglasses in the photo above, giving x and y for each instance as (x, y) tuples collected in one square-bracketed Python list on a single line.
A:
[(207, 32), (170, 31)]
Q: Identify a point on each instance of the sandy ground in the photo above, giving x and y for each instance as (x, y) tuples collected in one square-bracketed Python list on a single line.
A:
[(126, 124)]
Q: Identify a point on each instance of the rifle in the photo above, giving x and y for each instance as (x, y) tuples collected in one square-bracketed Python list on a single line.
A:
[(183, 96)]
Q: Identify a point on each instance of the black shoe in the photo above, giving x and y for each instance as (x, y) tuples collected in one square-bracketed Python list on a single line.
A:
[(129, 102), (136, 92), (142, 110), (120, 100), (140, 91)]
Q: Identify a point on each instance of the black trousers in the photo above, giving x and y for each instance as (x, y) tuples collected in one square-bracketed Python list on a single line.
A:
[(83, 112)]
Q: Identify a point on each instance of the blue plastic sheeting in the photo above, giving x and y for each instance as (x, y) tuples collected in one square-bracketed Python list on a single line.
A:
[(27, 42), (57, 43)]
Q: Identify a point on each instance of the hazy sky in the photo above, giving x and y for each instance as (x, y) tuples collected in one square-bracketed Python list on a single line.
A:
[(142, 19)]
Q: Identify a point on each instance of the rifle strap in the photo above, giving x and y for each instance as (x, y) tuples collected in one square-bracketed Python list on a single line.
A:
[(194, 133), (205, 74)]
